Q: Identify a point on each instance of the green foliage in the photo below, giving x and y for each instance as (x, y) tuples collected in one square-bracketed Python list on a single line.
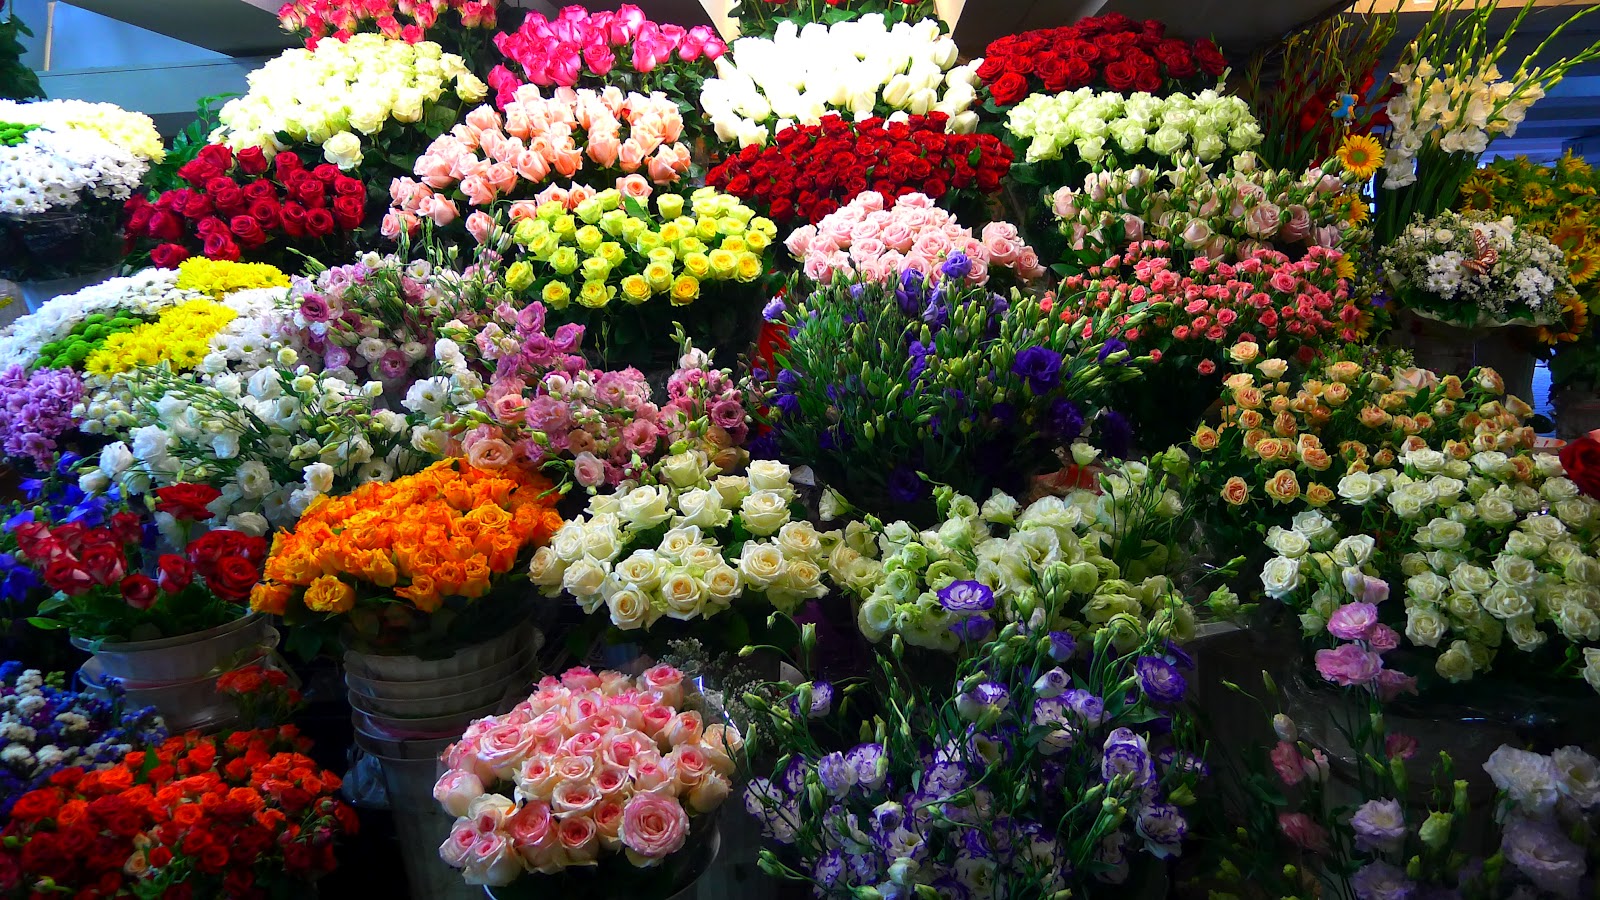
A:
[(163, 176), (17, 81)]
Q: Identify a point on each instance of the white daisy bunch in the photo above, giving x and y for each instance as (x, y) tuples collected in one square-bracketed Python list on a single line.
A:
[(341, 95), (132, 131), (143, 293), (1093, 124), (1473, 270), (59, 169), (662, 550), (858, 68)]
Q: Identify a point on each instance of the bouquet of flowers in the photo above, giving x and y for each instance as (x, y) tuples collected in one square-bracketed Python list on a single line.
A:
[(1472, 271), (620, 48), (35, 411), (1224, 215), (1095, 125), (874, 239), (1032, 770), (368, 95), (884, 385), (761, 18), (98, 573), (1101, 52), (492, 158), (863, 67), (610, 246), (809, 171), (460, 26), (953, 586), (43, 336), (47, 729), (544, 789), (667, 549), (209, 816), (242, 206), (386, 556)]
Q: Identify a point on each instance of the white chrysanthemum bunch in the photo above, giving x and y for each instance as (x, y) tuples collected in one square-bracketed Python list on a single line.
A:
[(58, 169), (1092, 124), (144, 293), (857, 68), (1440, 269), (341, 94), (133, 132)]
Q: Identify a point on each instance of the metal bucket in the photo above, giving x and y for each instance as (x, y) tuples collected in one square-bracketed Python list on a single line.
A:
[(185, 657), (421, 825)]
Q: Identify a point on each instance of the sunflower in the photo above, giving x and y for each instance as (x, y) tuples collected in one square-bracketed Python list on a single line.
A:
[(1573, 166), (1582, 267), (1361, 156), (1345, 268), (1475, 196), (1569, 234), (1354, 210), (1537, 195), (1574, 322)]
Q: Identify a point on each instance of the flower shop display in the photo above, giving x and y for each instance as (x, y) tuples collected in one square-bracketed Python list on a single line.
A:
[(495, 157), (139, 296), (876, 239), (1032, 769), (969, 372), (1109, 52), (761, 18), (192, 815), (627, 272), (49, 729), (594, 779), (241, 206), (809, 171), (357, 562), (864, 67), (370, 99)]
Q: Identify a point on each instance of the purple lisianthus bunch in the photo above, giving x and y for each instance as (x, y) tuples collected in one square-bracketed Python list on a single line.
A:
[(1544, 854), (1380, 825), (1041, 366), (983, 699), (364, 323), (1062, 645), (966, 597), (1089, 709), (1126, 754), (35, 410), (821, 701), (1382, 881), (1160, 680), (1162, 826)]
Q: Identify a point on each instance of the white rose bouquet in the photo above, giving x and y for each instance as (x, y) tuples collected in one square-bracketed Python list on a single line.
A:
[(860, 68), (692, 545), (368, 95), (1104, 126), (1473, 270)]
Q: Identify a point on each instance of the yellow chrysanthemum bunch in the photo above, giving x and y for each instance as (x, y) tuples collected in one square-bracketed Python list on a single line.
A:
[(606, 247), (132, 131), (180, 337), (219, 277)]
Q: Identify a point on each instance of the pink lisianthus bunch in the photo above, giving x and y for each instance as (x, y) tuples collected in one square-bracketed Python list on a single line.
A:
[(590, 764), (364, 322), (407, 20), (492, 156), (579, 45), (870, 239)]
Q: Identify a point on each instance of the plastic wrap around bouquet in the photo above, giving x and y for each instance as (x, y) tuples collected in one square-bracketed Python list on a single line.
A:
[(597, 785), (1474, 271)]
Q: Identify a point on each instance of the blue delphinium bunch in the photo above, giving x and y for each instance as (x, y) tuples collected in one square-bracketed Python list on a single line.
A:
[(45, 728)]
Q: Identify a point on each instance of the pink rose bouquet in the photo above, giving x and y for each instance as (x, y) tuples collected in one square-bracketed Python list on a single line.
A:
[(492, 156), (876, 241), (408, 20), (590, 768)]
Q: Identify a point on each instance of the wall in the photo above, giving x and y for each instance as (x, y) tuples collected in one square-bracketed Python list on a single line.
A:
[(87, 40)]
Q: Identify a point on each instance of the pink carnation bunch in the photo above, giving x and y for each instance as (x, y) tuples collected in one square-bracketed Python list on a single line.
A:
[(873, 240), (494, 156), (589, 764), (578, 43)]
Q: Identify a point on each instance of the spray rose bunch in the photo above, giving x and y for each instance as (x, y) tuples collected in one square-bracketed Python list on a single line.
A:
[(589, 768)]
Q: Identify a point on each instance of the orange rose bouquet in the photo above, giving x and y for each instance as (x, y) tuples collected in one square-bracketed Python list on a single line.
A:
[(412, 562)]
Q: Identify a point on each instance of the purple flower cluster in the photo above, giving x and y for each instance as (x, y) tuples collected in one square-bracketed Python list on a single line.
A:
[(366, 323), (35, 410)]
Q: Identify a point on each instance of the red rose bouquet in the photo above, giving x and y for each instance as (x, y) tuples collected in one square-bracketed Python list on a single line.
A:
[(107, 587), (247, 816), (809, 171), (240, 206), (1111, 52)]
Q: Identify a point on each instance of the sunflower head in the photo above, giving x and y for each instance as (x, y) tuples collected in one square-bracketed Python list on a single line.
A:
[(1574, 322), (1573, 166), (1361, 155), (1582, 267)]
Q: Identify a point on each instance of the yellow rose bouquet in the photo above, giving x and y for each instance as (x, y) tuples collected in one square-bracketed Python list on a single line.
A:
[(627, 269)]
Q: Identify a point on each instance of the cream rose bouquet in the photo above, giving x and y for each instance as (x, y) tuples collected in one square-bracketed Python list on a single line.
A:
[(366, 97), (1097, 126), (858, 68)]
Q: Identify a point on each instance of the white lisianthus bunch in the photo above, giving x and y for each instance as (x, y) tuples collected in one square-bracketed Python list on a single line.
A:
[(978, 570), (661, 550), (858, 68), (1455, 108), (252, 341), (59, 169), (341, 94), (1485, 552), (144, 293), (1095, 124), (134, 132), (1440, 269)]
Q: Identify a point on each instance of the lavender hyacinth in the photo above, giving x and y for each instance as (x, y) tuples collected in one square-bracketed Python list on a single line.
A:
[(36, 409)]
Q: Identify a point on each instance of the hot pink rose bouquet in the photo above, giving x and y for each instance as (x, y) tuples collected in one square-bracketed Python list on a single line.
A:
[(874, 241), (590, 768), (493, 156)]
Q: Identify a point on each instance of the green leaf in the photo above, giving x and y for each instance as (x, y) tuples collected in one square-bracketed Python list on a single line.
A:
[(45, 624)]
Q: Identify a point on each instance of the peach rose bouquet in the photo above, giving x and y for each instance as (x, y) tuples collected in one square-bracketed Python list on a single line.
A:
[(590, 771)]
